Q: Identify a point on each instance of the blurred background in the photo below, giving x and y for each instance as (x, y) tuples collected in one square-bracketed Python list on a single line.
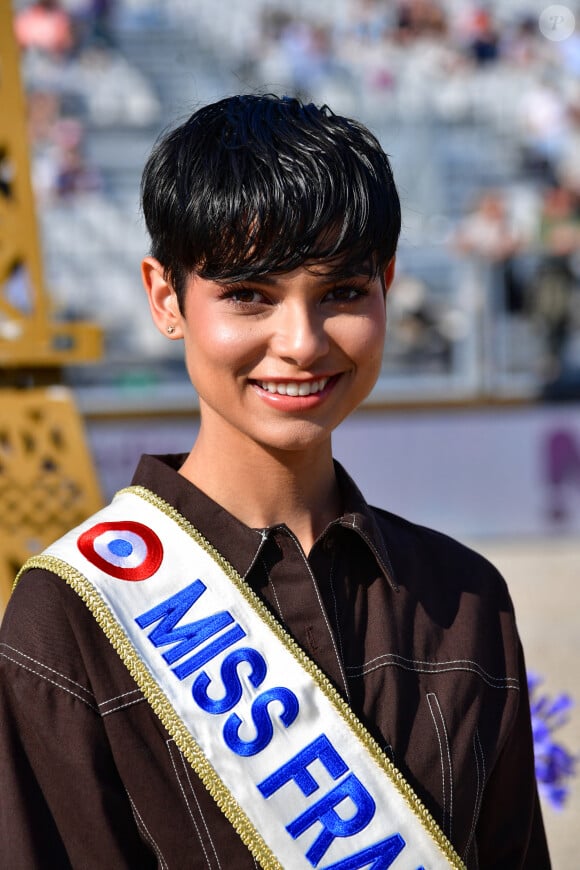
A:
[(474, 426)]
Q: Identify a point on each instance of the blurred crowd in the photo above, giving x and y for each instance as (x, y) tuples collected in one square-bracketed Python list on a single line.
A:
[(461, 62), (440, 65), (75, 79)]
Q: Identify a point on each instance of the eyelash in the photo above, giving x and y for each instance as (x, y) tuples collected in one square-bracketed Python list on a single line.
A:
[(230, 294), (359, 292)]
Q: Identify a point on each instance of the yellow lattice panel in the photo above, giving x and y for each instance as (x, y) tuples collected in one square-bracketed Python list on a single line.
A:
[(47, 483)]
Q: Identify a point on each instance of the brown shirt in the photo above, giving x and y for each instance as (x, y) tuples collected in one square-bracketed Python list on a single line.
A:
[(416, 631)]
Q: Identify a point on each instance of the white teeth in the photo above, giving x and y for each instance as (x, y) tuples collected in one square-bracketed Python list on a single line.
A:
[(294, 388)]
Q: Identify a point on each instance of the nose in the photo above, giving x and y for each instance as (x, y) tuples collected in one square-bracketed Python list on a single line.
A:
[(300, 336)]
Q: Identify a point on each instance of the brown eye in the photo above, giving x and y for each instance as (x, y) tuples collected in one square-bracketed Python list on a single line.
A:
[(345, 293), (243, 296)]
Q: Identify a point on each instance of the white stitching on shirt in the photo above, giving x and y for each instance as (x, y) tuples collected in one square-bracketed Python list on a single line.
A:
[(478, 752), (48, 680), (141, 824), (121, 707), (271, 582), (52, 670), (335, 602), (390, 659), (425, 662), (342, 673), (97, 709), (116, 697), (263, 538), (388, 569), (186, 768), (103, 704), (447, 818), (170, 744)]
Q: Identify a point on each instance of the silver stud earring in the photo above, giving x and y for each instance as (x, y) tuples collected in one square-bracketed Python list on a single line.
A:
[(170, 330)]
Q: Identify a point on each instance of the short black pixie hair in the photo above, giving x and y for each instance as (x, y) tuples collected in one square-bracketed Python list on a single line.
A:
[(258, 184)]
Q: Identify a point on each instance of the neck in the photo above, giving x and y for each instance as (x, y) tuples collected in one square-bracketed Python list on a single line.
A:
[(262, 487)]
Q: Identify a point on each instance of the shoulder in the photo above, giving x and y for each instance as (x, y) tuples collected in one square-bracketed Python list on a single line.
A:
[(450, 578), (457, 603), (42, 608), (48, 637)]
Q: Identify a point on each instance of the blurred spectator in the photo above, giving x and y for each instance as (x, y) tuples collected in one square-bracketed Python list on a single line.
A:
[(298, 55), (46, 27), (420, 340), (364, 45), (556, 284), (560, 222), (368, 21), (568, 167), (521, 45), (489, 236), (421, 18), (483, 44), (73, 173), (44, 111), (59, 168), (487, 232), (308, 55), (544, 124)]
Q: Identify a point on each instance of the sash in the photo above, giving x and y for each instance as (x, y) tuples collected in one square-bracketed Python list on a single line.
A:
[(298, 776)]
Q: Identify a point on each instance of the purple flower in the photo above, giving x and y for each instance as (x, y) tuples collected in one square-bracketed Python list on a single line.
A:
[(554, 764)]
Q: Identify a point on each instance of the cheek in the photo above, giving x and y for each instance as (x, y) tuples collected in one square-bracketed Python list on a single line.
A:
[(221, 344), (367, 337)]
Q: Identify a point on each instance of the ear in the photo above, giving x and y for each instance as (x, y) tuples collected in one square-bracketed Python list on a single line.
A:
[(162, 299), (389, 274)]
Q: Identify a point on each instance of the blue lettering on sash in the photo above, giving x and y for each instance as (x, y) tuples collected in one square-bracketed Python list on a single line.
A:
[(322, 749), (231, 680), (262, 721), (334, 825), (187, 637), (209, 652), (381, 854)]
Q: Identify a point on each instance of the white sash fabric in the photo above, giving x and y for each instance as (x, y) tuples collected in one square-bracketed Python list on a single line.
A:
[(285, 758)]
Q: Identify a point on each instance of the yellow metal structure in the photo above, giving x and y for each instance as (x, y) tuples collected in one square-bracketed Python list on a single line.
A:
[(27, 335), (47, 483)]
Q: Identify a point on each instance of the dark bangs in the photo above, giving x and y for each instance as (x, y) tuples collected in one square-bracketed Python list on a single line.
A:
[(257, 184)]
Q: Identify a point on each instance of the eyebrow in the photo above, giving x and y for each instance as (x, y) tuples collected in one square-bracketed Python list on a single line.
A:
[(274, 278)]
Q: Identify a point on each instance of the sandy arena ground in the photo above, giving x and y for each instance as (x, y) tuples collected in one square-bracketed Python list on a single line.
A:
[(544, 580)]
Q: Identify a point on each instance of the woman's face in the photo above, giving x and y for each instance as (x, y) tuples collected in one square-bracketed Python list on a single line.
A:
[(283, 359)]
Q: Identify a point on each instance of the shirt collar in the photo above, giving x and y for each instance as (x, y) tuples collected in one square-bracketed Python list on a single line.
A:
[(238, 543), (361, 518)]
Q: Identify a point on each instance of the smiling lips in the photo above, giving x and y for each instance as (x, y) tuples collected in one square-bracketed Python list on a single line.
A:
[(294, 388)]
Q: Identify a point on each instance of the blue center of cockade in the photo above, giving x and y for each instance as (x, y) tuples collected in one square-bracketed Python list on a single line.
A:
[(119, 547)]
